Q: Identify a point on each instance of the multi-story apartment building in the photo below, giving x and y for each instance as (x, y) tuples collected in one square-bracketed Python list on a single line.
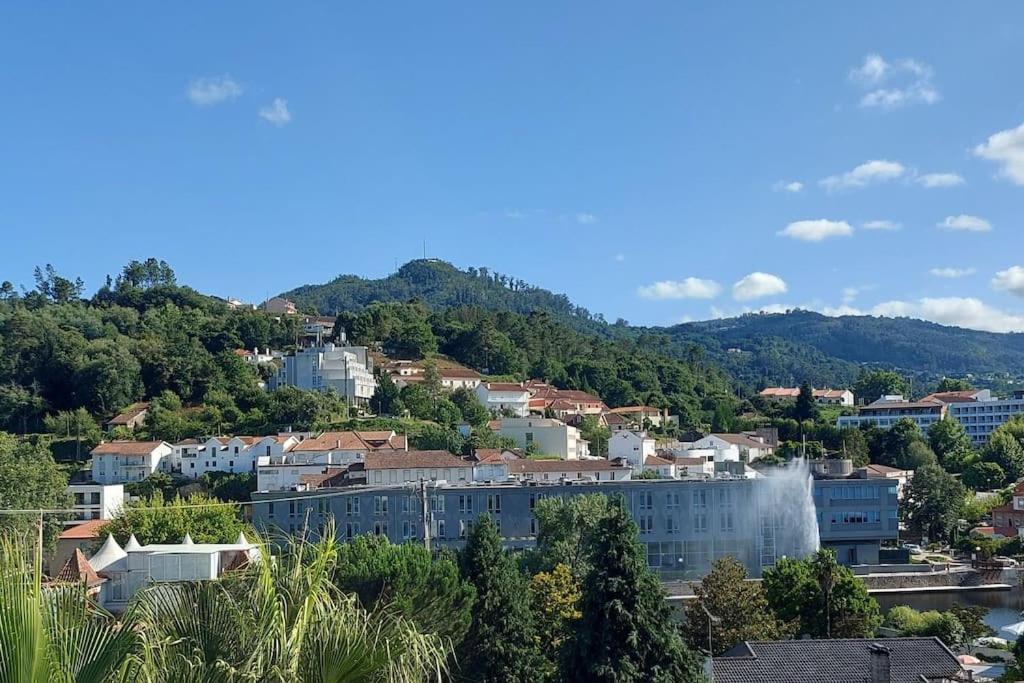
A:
[(684, 524), (548, 436), (504, 397), (347, 370), (95, 501), (888, 410), (982, 416), (121, 462)]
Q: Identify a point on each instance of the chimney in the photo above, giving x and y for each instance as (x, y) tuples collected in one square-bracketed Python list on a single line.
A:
[(879, 672)]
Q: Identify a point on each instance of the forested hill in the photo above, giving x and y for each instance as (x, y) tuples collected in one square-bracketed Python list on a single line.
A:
[(755, 349), (902, 343)]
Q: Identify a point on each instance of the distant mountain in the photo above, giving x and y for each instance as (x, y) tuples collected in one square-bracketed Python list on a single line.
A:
[(755, 349)]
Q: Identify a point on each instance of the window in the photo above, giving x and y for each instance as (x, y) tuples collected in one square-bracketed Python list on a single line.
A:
[(270, 509), (380, 505), (231, 463), (291, 507), (351, 505), (646, 500), (494, 503), (466, 504), (672, 500), (533, 526), (351, 530), (408, 530), (671, 525), (437, 503), (700, 498), (464, 527), (380, 528), (700, 523), (440, 529), (726, 520), (646, 524)]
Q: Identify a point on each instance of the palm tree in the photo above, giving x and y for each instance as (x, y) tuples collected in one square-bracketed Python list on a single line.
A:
[(280, 619)]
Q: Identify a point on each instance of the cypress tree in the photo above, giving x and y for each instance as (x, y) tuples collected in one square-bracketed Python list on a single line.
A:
[(626, 632), (501, 644)]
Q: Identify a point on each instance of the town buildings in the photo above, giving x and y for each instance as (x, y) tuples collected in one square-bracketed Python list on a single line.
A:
[(131, 418), (279, 306), (95, 501), (545, 436), (632, 447), (981, 416), (290, 460), (1008, 520), (685, 524), (406, 372), (888, 410), (122, 462), (828, 397), (502, 398), (347, 370)]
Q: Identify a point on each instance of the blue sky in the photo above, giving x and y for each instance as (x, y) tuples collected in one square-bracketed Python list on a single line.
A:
[(656, 161)]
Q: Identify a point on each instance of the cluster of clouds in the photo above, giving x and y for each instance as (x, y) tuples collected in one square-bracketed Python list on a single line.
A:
[(890, 85), (210, 91), (755, 285), (877, 172), (821, 229)]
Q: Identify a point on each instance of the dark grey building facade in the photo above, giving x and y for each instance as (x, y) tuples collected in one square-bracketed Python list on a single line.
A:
[(684, 524)]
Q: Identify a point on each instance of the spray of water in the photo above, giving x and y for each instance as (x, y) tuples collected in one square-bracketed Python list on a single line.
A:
[(787, 505)]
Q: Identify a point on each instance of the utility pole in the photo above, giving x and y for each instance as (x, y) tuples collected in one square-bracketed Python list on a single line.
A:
[(425, 514)]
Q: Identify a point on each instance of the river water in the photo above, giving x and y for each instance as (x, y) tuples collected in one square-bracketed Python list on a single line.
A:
[(1004, 606)]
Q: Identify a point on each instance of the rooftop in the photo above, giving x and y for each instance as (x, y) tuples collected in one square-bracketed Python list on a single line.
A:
[(414, 460), (129, 413), (353, 441), (83, 531), (134, 448), (835, 661), (525, 465)]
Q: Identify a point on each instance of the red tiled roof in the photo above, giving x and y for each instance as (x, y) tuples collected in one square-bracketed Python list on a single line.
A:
[(741, 440), (413, 460), (967, 396), (129, 413), (504, 386), (83, 531), (325, 478), (690, 461), (77, 569), (655, 460), (135, 448), (353, 441), (883, 470)]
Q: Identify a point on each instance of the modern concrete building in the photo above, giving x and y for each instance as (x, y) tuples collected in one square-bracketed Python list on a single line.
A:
[(95, 501), (547, 435), (983, 415), (888, 410), (348, 370), (684, 524)]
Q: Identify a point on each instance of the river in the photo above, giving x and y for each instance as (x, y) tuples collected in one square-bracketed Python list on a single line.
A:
[(1004, 606)]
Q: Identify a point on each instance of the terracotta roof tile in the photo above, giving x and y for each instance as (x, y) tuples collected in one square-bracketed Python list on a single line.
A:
[(83, 531), (525, 465), (135, 448), (77, 569), (413, 460), (353, 441)]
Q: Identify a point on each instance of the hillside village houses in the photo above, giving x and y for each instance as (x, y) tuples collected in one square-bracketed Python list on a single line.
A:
[(348, 370), (504, 397), (122, 462), (546, 436), (131, 418), (313, 456), (406, 372), (826, 397)]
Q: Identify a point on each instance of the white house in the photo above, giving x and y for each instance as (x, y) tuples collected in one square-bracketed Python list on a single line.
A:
[(633, 447), (221, 454), (750, 447), (666, 469), (406, 372), (695, 466), (825, 397), (598, 469), (285, 469), (121, 462), (347, 370), (500, 397), (548, 436), (95, 501), (130, 569), (492, 464)]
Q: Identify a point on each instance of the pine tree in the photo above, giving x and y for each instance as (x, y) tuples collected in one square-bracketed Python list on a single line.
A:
[(501, 644), (626, 631)]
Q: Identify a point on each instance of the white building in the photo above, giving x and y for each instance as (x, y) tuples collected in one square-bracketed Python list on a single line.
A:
[(406, 372), (285, 468), (348, 370), (632, 447), (121, 462), (825, 397), (750, 448), (984, 414), (128, 570), (549, 436), (405, 467), (664, 468), (95, 501), (888, 410), (234, 454), (492, 464), (499, 397)]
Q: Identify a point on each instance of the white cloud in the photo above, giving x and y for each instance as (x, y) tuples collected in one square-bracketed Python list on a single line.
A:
[(690, 288), (849, 294), (958, 311), (586, 218), (931, 180), (1007, 149), (277, 112), (204, 92), (1010, 280), (895, 84), (792, 186), (868, 173), (881, 225), (816, 230), (757, 285), (952, 272), (620, 257), (966, 223)]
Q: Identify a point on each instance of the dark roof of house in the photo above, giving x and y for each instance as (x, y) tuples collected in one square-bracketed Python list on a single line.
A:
[(129, 414), (834, 661), (526, 465), (413, 459), (77, 569)]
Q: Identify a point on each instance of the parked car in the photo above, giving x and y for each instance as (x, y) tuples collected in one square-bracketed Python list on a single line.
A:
[(1004, 561), (914, 548)]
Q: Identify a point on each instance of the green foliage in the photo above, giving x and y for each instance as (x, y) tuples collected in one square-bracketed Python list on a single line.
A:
[(158, 483), (932, 503), (626, 632), (76, 423), (740, 607), (951, 444), (407, 580), (566, 531), (805, 408), (154, 520), (230, 487), (873, 384), (946, 626), (1005, 447), (501, 643), (983, 476), (819, 598), (854, 445), (555, 600), (30, 479), (953, 384)]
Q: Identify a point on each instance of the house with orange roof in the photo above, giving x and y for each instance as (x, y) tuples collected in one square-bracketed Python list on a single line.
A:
[(314, 455), (122, 462), (502, 398), (829, 397)]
